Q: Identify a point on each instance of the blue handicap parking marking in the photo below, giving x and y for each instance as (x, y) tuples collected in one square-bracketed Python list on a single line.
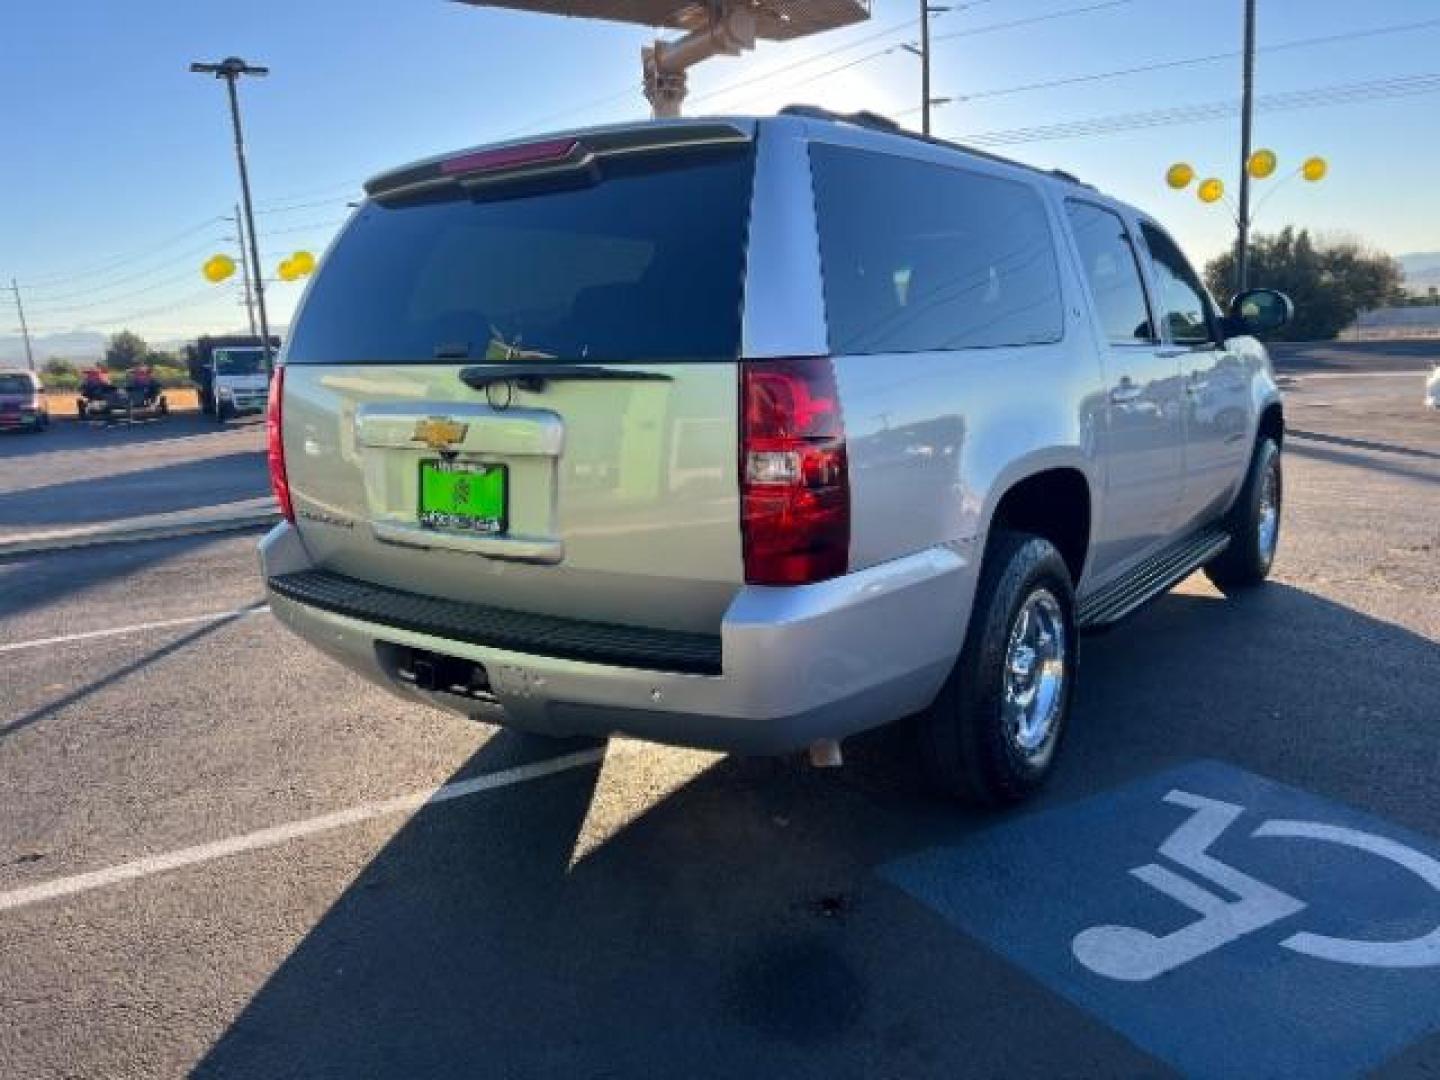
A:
[(1228, 924)]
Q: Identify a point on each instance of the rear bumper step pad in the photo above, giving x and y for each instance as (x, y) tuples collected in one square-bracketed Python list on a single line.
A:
[(514, 631)]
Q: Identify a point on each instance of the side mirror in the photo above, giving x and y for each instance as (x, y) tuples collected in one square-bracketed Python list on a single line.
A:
[(1258, 311)]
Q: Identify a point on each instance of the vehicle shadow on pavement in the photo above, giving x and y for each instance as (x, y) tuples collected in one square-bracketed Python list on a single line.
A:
[(1354, 356), (94, 686), (735, 926), (1353, 459), (1364, 444), (37, 581), (156, 490), (67, 434)]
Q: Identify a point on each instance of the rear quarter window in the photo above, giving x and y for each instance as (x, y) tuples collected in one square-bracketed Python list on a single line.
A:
[(918, 256), (646, 263)]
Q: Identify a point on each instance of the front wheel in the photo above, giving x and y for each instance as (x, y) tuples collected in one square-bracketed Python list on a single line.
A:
[(993, 734), (1253, 524)]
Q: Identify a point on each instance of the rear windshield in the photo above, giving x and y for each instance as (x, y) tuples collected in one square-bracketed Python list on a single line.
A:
[(645, 264), (16, 384)]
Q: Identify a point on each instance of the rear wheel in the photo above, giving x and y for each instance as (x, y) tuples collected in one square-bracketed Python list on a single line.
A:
[(993, 734), (1253, 524)]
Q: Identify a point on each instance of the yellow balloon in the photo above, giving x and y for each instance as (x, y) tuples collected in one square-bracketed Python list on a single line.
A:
[(303, 262), (1314, 169), (1179, 175), (288, 271), (217, 268), (1210, 190), (1262, 163)]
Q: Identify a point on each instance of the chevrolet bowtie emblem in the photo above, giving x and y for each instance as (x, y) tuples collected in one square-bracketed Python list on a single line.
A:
[(438, 433)]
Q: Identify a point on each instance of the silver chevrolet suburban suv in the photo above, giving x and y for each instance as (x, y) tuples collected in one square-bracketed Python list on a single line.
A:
[(755, 433)]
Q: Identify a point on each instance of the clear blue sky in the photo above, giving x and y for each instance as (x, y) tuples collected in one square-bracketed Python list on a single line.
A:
[(113, 149)]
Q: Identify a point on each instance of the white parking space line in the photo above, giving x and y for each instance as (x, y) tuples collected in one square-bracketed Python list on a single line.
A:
[(133, 628), (295, 830)]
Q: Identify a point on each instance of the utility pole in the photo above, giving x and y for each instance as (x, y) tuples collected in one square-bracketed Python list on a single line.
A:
[(924, 67), (230, 69), (1247, 111), (24, 329), (923, 52), (245, 270)]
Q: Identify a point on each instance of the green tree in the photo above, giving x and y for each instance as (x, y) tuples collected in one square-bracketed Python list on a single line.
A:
[(60, 374), (1329, 282), (125, 350)]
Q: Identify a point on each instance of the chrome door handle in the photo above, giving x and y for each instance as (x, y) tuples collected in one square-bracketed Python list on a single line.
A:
[(1196, 386), (1124, 394)]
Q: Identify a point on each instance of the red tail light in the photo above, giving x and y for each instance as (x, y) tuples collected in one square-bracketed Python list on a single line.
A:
[(275, 445), (794, 480)]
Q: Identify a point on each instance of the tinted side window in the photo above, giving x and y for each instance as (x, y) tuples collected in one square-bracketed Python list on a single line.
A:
[(919, 256), (1181, 295), (1113, 272)]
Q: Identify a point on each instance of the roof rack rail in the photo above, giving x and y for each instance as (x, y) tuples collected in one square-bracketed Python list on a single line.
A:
[(863, 118), (866, 119)]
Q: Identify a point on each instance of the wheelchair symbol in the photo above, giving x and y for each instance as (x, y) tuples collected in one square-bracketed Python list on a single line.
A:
[(1131, 954)]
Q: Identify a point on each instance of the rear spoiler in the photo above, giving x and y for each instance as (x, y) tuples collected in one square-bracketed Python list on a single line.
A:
[(565, 156)]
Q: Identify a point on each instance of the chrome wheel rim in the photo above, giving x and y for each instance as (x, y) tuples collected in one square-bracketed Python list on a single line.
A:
[(1034, 677), (1268, 526)]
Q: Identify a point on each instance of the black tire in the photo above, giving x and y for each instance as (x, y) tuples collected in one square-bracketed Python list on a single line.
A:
[(1247, 561), (223, 412), (968, 748)]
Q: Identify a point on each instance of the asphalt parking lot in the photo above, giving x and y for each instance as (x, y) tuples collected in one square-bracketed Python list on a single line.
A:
[(82, 473), (214, 858)]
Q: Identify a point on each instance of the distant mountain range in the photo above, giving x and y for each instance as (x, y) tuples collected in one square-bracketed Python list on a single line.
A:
[(79, 346), (1422, 270)]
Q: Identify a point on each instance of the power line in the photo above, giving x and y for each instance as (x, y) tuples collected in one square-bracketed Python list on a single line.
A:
[(719, 91), (313, 226), (303, 205), (208, 294), (784, 69), (973, 31), (308, 193), (46, 309), (138, 275), (115, 261), (1099, 76), (1315, 97), (1031, 20)]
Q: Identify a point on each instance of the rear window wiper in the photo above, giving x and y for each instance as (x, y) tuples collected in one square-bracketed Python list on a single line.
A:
[(535, 376)]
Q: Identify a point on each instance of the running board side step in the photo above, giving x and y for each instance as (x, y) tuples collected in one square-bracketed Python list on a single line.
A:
[(1156, 575)]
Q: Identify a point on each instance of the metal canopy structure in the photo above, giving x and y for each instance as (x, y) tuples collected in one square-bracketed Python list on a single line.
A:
[(718, 28)]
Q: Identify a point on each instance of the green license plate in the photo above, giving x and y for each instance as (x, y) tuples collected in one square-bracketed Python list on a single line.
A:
[(463, 498)]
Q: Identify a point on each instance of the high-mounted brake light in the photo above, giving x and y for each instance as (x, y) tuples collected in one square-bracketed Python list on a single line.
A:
[(794, 477), (275, 445), (509, 157)]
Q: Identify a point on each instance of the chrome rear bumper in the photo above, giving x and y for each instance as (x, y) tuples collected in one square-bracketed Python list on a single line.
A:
[(795, 664)]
